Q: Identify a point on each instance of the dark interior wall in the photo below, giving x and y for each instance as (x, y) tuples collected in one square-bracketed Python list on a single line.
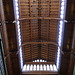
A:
[(68, 57), (13, 63)]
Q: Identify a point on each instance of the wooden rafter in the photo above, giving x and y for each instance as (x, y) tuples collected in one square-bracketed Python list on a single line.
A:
[(33, 18), (39, 43)]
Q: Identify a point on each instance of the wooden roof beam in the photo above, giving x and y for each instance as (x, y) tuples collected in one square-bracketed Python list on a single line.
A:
[(39, 43), (33, 18), (39, 63)]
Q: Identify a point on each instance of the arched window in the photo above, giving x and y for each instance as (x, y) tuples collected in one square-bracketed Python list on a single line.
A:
[(39, 67)]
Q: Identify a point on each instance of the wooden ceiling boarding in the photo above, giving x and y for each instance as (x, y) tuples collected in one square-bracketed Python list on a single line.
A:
[(39, 30), (39, 24)]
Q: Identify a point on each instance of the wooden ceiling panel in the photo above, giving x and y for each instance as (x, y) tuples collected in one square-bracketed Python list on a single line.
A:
[(30, 52), (36, 30), (46, 52), (41, 8)]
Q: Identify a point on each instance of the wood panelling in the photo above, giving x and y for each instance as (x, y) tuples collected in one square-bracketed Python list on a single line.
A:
[(43, 8), (12, 38), (31, 52), (8, 11), (39, 23)]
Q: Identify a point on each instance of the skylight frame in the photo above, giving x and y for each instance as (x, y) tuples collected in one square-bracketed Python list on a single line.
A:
[(61, 26)]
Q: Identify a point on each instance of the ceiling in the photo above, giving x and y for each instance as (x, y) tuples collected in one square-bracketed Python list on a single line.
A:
[(35, 30)]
